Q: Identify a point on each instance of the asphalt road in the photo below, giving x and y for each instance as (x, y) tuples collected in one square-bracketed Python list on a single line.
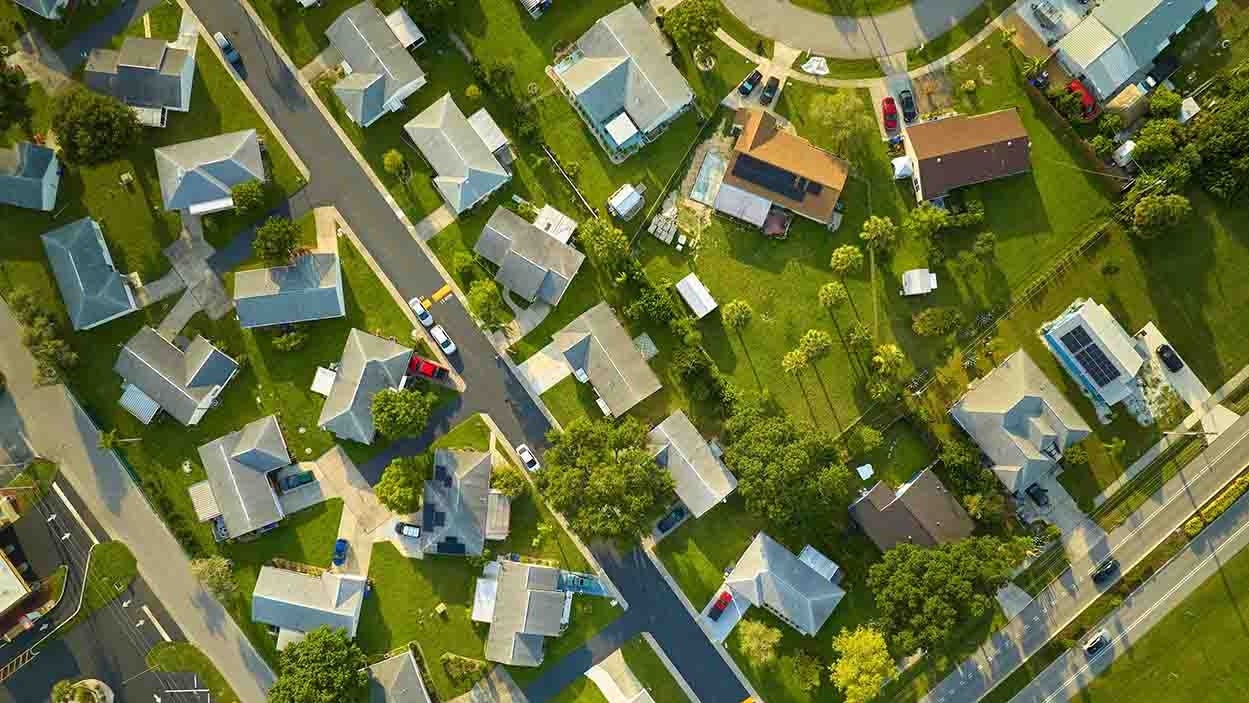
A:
[(1131, 542)]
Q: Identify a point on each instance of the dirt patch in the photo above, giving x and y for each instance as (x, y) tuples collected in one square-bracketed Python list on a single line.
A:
[(933, 92)]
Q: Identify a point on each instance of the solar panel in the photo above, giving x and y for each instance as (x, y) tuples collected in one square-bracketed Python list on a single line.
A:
[(427, 517), (1076, 339), (1090, 357), (766, 175)]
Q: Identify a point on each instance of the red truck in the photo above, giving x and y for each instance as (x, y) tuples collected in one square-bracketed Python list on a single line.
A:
[(424, 368)]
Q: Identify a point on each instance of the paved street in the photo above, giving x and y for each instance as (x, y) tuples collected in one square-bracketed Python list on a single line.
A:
[(1066, 598)]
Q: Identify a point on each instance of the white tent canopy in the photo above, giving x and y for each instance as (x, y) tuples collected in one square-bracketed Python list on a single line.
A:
[(747, 207), (1188, 109), (918, 282), (902, 168), (625, 202), (696, 295), (816, 66)]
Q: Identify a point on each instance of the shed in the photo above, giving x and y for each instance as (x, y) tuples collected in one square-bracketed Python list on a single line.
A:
[(1123, 155), (696, 296), (1188, 109), (626, 202), (405, 29), (555, 223), (918, 282)]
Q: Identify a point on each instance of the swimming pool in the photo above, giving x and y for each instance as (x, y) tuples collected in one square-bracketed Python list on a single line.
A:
[(710, 175)]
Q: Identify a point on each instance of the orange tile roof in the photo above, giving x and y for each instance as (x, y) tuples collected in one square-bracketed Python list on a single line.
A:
[(762, 138)]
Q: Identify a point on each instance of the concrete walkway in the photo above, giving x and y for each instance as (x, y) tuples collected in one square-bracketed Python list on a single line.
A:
[(617, 681), (434, 222)]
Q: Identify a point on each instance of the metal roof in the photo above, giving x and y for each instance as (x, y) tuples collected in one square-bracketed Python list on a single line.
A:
[(381, 66), (93, 290), (467, 170), (309, 289), (24, 170)]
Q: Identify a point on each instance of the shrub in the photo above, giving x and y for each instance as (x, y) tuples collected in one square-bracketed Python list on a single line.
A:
[(276, 240), (509, 479), (1165, 102), (1194, 526), (1220, 503), (462, 670), (1102, 146), (249, 197), (472, 92), (290, 341), (936, 321)]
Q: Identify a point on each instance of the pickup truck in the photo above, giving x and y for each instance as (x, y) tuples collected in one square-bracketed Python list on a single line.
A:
[(424, 368)]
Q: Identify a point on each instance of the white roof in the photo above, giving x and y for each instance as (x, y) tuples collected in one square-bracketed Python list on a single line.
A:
[(13, 587), (204, 502), (212, 206), (555, 223), (696, 295), (323, 383), (823, 565), (1188, 109), (918, 282), (742, 205), (405, 28), (1123, 154), (483, 599), (1096, 52), (486, 128), (866, 471), (625, 199), (621, 128), (149, 116)]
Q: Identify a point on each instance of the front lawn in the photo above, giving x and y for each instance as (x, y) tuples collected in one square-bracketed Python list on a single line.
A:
[(956, 36), (111, 567), (651, 672), (845, 8), (300, 30)]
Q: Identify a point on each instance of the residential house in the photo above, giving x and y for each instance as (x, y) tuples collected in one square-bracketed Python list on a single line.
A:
[(801, 590), (600, 352), (381, 74), (469, 155), (964, 150), (47, 9), (772, 168), (198, 176), (369, 364), (240, 494), (622, 82), (93, 290), (921, 512), (532, 263), (1020, 420), (160, 376), (397, 680), (30, 175), (309, 289), (13, 586), (528, 607), (702, 482), (150, 75), (1117, 42), (1095, 350), (460, 511), (295, 603)]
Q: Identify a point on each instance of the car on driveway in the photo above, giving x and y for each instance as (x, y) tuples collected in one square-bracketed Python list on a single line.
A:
[(407, 529), (444, 342), (1038, 494), (231, 54), (422, 312), (889, 113), (1105, 570), (669, 521), (340, 552), (748, 86), (1096, 642), (1169, 358), (527, 458), (909, 113), (425, 368), (769, 91), (722, 603)]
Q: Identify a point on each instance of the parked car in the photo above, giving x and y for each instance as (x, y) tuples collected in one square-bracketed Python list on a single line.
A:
[(340, 552), (444, 342), (748, 86), (527, 458), (1169, 358), (909, 113), (231, 54), (425, 368), (1096, 642), (769, 91), (1105, 570), (718, 608), (407, 529), (889, 111), (670, 520), (1088, 105), (293, 481), (1038, 494), (422, 312)]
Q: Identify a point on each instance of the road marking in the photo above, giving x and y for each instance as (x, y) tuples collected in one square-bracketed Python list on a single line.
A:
[(441, 293), (74, 511), (156, 624)]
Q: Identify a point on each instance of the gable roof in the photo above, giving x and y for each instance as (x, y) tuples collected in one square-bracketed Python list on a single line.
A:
[(93, 290), (238, 467), (456, 503), (467, 170), (528, 608), (769, 575), (596, 343), (967, 149), (23, 168), (145, 73), (381, 66), (700, 479), (204, 170), (921, 512), (1019, 419), (369, 364), (532, 263), (178, 381), (49, 9), (309, 289), (397, 680), (625, 67), (1146, 25), (300, 602)]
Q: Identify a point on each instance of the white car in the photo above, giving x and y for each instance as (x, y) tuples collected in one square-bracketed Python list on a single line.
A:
[(1096, 642), (422, 312), (527, 457), (444, 342)]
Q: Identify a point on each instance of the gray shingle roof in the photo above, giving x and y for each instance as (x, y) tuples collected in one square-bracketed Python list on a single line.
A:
[(145, 73), (299, 602), (202, 171), (51, 9), (94, 292), (179, 382), (597, 343), (381, 67), (369, 364), (24, 167), (922, 512), (456, 502), (770, 576), (467, 170), (528, 608), (238, 467), (1146, 24), (309, 289), (532, 263), (397, 680), (701, 480)]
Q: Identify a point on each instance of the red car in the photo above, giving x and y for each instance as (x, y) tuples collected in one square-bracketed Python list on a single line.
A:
[(722, 603), (1087, 104), (889, 110), (425, 368)]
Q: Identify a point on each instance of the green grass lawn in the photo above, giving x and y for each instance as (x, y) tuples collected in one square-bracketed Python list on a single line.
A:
[(183, 656), (37, 476), (746, 36), (473, 434), (582, 690), (110, 569), (857, 8), (164, 20), (14, 21), (956, 36), (651, 672)]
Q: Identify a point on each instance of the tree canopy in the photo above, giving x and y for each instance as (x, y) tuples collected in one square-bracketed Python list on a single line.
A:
[(402, 484), (693, 23), (486, 301), (841, 117), (92, 128), (14, 90), (276, 240), (737, 314), (863, 664), (1157, 214), (217, 574), (605, 245), (846, 259), (400, 413), (879, 234), (324, 667), (249, 196)]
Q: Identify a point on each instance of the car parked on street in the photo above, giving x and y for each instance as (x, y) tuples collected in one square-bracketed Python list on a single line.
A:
[(422, 312), (340, 552), (1038, 494), (407, 529), (231, 54), (1169, 358), (722, 603), (909, 112), (748, 86), (444, 342), (1105, 570), (1096, 642), (527, 458), (769, 91), (889, 113)]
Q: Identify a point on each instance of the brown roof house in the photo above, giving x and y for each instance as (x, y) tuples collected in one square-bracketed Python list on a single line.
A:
[(921, 511), (967, 149), (774, 168)]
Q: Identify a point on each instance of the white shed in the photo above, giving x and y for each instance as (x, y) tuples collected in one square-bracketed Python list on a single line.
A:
[(696, 295), (918, 282), (405, 29)]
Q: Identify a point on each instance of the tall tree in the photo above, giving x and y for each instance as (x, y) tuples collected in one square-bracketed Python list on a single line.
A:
[(833, 295), (863, 664), (879, 234), (402, 485), (1157, 214), (924, 221), (399, 413), (758, 640), (847, 259), (693, 24), (92, 128), (276, 240), (815, 344), (324, 667), (486, 302), (217, 574), (888, 361), (795, 362), (14, 91), (605, 245), (737, 314), (841, 118)]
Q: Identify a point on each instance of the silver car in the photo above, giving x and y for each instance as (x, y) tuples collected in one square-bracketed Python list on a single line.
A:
[(422, 312)]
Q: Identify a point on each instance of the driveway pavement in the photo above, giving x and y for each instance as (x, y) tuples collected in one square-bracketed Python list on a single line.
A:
[(545, 368), (1214, 419)]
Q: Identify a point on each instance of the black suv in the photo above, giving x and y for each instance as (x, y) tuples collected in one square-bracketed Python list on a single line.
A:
[(1105, 570), (1169, 358), (769, 91), (748, 86)]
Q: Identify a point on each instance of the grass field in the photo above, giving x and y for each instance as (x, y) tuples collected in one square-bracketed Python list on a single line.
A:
[(183, 656), (852, 8), (110, 569), (956, 35)]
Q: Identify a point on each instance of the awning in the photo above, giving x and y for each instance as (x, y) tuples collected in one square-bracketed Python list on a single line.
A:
[(204, 502), (696, 295), (741, 205), (137, 403), (483, 600), (486, 128), (212, 206), (406, 31), (918, 282), (323, 381), (621, 129)]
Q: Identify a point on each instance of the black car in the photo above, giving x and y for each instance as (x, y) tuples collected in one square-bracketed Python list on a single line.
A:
[(1038, 494), (1096, 643), (769, 91), (670, 520), (909, 113), (1169, 358), (1105, 570), (748, 86)]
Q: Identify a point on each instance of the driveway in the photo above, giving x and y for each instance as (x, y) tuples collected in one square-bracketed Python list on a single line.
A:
[(1186, 383), (545, 369)]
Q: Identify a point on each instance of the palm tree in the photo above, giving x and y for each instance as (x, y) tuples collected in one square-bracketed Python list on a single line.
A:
[(888, 360), (737, 314), (833, 295), (110, 440), (1033, 66), (816, 345), (847, 259), (794, 362)]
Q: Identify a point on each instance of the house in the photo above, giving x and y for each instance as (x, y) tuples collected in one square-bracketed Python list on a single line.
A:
[(1118, 40), (801, 590), (160, 376), (309, 289), (1095, 350), (150, 75), (600, 352), (469, 155), (700, 479), (29, 176), (198, 176), (921, 512), (1020, 420), (967, 149), (772, 168), (295, 603), (47, 9), (397, 680), (622, 83), (381, 74), (528, 607), (532, 263), (240, 494), (369, 364), (460, 511), (93, 290)]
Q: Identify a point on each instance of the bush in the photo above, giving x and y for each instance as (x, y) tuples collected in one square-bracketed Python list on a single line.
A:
[(92, 128), (1165, 103), (937, 321), (249, 197), (1110, 124), (1102, 146), (276, 240), (462, 670), (290, 341), (1220, 503), (509, 479), (1194, 526), (472, 92), (462, 263)]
